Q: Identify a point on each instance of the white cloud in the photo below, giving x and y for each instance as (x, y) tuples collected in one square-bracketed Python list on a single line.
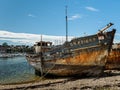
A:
[(31, 15), (30, 39), (92, 9), (77, 16)]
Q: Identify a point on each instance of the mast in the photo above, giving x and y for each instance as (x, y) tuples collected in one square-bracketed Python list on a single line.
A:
[(41, 57), (66, 25), (41, 43)]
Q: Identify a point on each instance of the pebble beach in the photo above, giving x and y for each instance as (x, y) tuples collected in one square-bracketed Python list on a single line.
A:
[(110, 80)]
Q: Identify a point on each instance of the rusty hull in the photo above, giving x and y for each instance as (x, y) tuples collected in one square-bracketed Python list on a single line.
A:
[(113, 60), (87, 63)]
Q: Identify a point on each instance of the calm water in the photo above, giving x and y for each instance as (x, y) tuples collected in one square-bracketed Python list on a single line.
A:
[(15, 70)]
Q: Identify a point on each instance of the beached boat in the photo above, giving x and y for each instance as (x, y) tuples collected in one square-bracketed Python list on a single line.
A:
[(113, 60), (80, 56)]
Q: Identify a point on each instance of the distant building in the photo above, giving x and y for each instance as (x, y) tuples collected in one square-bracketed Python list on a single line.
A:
[(3, 49)]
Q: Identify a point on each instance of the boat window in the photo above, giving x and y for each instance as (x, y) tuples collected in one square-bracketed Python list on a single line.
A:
[(48, 44), (74, 43), (87, 41), (90, 40), (63, 51), (43, 44), (39, 44), (78, 42), (81, 41), (94, 39)]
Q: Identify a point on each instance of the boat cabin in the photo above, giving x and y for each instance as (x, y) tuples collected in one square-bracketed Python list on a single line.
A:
[(42, 46)]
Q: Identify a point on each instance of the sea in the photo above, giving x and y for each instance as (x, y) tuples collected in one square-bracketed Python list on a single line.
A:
[(16, 70)]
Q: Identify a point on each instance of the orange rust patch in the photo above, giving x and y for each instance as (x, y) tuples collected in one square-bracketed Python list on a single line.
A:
[(113, 60), (88, 58)]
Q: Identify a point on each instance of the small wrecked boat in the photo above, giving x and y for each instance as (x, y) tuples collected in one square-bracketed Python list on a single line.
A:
[(113, 60), (81, 56)]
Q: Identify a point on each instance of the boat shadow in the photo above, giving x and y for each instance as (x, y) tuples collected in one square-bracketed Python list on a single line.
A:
[(106, 73)]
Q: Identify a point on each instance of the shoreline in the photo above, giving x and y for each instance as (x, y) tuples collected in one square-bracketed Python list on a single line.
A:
[(10, 55), (109, 81)]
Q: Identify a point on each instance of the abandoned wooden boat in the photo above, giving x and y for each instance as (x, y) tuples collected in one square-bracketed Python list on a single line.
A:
[(113, 60), (80, 56)]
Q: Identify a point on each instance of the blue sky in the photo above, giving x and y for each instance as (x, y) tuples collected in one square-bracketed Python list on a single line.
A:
[(48, 16)]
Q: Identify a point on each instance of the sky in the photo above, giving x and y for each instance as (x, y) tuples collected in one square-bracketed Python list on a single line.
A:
[(24, 21)]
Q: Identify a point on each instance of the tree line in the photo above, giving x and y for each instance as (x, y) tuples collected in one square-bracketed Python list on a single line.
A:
[(16, 48)]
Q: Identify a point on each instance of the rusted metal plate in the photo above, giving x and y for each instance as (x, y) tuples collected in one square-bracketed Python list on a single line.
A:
[(113, 60)]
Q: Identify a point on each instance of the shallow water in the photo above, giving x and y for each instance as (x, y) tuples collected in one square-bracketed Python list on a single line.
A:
[(16, 70)]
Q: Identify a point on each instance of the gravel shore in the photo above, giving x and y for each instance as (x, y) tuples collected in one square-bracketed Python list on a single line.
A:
[(109, 81)]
